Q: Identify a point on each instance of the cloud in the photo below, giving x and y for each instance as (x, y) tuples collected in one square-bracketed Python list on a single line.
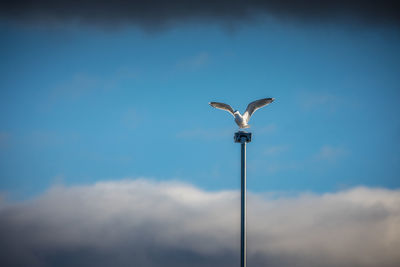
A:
[(82, 85), (331, 153), (317, 100), (160, 14), (204, 134), (144, 223), (194, 62), (4, 139), (275, 167), (131, 118), (266, 130), (276, 150)]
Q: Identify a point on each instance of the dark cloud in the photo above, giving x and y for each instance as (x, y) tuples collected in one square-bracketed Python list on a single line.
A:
[(142, 223), (160, 13)]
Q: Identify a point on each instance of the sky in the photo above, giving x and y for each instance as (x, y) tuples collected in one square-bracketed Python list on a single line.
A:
[(107, 105)]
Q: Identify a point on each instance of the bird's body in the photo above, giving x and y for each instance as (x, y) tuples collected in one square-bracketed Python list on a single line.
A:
[(242, 120)]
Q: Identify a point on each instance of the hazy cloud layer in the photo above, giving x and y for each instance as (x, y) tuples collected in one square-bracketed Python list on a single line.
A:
[(142, 223), (159, 13)]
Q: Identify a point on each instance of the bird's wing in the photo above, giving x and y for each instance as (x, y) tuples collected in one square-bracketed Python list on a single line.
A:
[(222, 106), (253, 106)]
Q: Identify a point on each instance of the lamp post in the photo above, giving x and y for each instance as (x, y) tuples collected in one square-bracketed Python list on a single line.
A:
[(243, 138)]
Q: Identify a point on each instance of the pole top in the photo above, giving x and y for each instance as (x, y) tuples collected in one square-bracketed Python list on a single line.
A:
[(242, 137)]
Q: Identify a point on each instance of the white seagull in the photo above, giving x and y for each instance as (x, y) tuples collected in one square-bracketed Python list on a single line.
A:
[(242, 120)]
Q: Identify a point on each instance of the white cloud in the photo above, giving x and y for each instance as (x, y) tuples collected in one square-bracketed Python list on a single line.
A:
[(204, 134), (313, 100), (83, 85), (195, 62), (144, 223), (4, 138), (276, 150), (331, 153), (265, 130), (131, 118)]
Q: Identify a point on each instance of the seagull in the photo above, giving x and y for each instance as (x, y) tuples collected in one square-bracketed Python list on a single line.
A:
[(242, 120)]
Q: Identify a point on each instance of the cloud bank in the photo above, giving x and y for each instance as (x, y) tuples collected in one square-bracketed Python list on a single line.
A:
[(159, 13), (144, 223)]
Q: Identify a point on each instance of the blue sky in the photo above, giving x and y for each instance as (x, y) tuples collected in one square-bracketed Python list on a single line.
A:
[(81, 104), (109, 149)]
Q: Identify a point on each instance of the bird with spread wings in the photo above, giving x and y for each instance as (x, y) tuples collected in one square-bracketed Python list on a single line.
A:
[(242, 120)]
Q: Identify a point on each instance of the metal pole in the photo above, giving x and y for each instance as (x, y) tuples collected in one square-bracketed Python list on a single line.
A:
[(243, 205), (243, 138)]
